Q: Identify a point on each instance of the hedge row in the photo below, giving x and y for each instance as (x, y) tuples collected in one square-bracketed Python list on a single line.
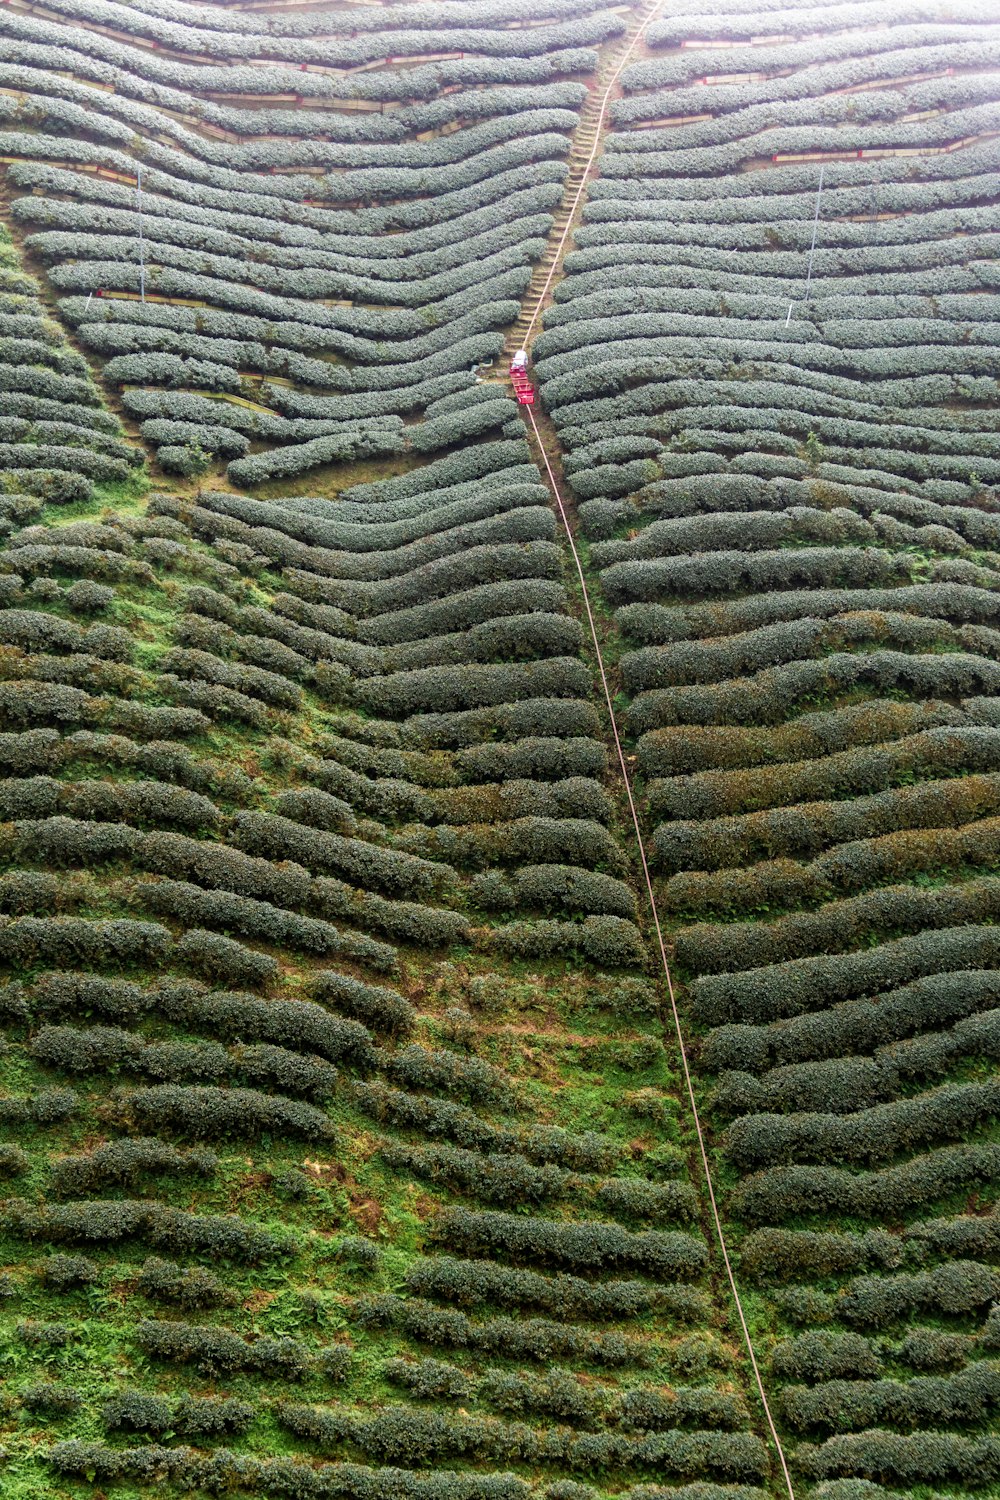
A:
[(299, 1025), (510, 1338), (399, 1433), (847, 869), (584, 1245), (189, 1288), (216, 1351), (287, 1477), (833, 1086), (63, 841), (924, 1458), (105, 1048), (771, 696), (586, 1151), (27, 941), (683, 749), (471, 1283), (562, 1395), (385, 529), (838, 775), (855, 1082), (527, 840), (926, 1400), (809, 984), (155, 802), (902, 825), (447, 1072), (957, 1288), (481, 32), (511, 1180), (702, 661), (819, 1356), (607, 942), (371, 1004), (227, 1237), (124, 1163), (895, 908), (46, 1107), (193, 1416), (463, 608), (186, 903), (286, 463), (389, 870), (782, 1193)]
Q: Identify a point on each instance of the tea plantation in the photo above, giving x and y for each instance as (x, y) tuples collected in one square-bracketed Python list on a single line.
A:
[(352, 1143)]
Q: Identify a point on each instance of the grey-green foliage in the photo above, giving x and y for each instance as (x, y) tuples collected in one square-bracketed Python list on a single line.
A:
[(867, 1136), (838, 925), (781, 1193), (810, 984), (105, 1048), (587, 1245), (847, 1405)]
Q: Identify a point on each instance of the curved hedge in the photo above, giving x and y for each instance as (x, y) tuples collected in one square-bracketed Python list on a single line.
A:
[(775, 406)]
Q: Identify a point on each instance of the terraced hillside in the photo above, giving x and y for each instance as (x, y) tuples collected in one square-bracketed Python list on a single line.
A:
[(772, 366), (56, 441), (269, 1136), (348, 1146), (344, 1155), (299, 208)]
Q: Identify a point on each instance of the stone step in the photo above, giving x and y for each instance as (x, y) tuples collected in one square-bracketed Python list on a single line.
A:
[(579, 165)]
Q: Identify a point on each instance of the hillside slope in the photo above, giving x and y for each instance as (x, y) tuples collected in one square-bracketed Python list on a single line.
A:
[(345, 1155), (347, 1152), (771, 363)]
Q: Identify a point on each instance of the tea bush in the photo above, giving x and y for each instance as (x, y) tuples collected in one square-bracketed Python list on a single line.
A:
[(216, 1351), (584, 1245), (208, 1113)]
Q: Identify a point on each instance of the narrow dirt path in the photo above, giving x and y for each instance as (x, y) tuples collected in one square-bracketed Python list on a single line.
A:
[(605, 642), (49, 301), (585, 150), (542, 441)]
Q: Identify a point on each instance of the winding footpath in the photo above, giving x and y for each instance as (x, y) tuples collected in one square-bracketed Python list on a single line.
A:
[(588, 139)]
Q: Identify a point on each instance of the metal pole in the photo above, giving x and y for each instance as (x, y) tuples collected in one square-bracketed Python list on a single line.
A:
[(812, 248), (142, 246), (876, 184)]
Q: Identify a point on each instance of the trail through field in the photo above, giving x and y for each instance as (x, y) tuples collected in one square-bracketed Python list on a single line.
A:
[(584, 151), (587, 142), (619, 755)]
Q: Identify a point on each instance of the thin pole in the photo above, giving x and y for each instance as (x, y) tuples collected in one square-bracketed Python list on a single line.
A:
[(142, 245), (665, 962), (812, 248), (876, 184)]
